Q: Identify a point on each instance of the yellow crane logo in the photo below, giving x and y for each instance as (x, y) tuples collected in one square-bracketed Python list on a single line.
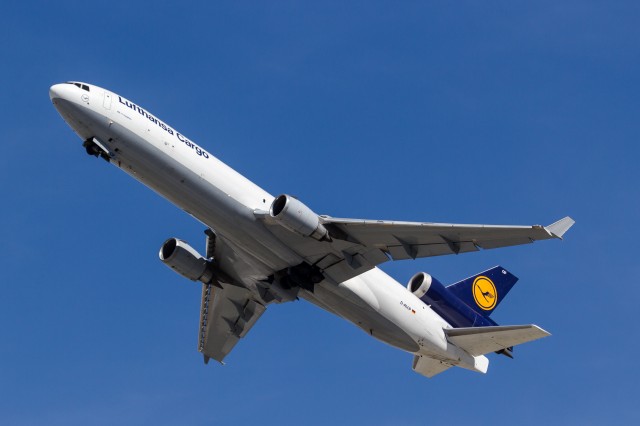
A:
[(484, 293)]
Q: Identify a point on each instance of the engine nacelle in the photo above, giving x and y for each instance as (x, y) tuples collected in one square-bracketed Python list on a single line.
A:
[(295, 216), (446, 304), (185, 260), (423, 284)]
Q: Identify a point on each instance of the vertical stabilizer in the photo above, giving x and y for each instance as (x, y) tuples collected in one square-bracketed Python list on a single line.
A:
[(483, 292)]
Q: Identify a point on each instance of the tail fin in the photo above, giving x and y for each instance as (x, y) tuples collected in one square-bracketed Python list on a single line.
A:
[(483, 292)]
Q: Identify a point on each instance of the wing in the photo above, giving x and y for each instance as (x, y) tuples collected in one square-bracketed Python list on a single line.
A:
[(358, 245), (226, 315), (410, 240)]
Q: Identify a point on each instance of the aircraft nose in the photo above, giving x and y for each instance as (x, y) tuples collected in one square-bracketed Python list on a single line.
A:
[(57, 91)]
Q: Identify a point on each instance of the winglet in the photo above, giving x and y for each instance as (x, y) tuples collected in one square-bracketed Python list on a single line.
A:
[(559, 228)]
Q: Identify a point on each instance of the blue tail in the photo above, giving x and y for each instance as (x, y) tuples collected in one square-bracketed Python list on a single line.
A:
[(467, 303), (483, 292)]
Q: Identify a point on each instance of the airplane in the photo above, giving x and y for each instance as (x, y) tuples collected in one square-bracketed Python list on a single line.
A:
[(262, 250)]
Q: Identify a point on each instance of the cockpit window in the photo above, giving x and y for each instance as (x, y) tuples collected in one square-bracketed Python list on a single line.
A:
[(81, 86)]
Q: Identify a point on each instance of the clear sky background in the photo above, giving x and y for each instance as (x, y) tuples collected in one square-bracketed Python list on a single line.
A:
[(505, 112)]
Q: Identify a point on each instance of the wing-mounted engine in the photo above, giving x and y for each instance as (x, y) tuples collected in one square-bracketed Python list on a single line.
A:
[(297, 217), (186, 261), (228, 309)]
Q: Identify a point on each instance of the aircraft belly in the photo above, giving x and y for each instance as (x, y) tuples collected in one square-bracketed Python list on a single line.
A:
[(257, 253), (196, 194), (214, 208), (343, 303)]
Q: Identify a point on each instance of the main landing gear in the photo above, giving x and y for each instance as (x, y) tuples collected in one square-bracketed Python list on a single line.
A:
[(303, 275)]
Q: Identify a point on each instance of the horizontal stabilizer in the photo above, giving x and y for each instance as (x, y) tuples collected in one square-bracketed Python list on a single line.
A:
[(483, 340), (558, 228), (429, 367)]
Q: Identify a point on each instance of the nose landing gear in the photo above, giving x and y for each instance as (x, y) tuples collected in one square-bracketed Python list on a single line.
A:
[(97, 149)]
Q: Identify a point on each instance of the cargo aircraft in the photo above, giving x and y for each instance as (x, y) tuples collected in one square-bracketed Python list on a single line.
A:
[(261, 250)]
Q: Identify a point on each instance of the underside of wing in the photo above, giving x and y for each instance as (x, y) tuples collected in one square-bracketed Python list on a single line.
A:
[(226, 315), (410, 240), (354, 246)]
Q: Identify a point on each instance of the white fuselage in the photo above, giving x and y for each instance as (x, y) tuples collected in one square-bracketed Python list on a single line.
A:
[(193, 179)]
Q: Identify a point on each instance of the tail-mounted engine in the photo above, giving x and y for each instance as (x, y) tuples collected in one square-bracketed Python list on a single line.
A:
[(445, 303), (467, 303), (295, 216), (186, 261)]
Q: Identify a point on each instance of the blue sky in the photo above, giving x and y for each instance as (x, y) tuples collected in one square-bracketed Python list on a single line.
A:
[(473, 112)]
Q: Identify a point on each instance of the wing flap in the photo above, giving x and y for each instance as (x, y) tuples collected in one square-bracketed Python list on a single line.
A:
[(505, 242), (483, 340), (414, 251)]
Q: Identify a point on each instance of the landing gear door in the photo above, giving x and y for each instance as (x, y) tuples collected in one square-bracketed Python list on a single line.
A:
[(107, 100)]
